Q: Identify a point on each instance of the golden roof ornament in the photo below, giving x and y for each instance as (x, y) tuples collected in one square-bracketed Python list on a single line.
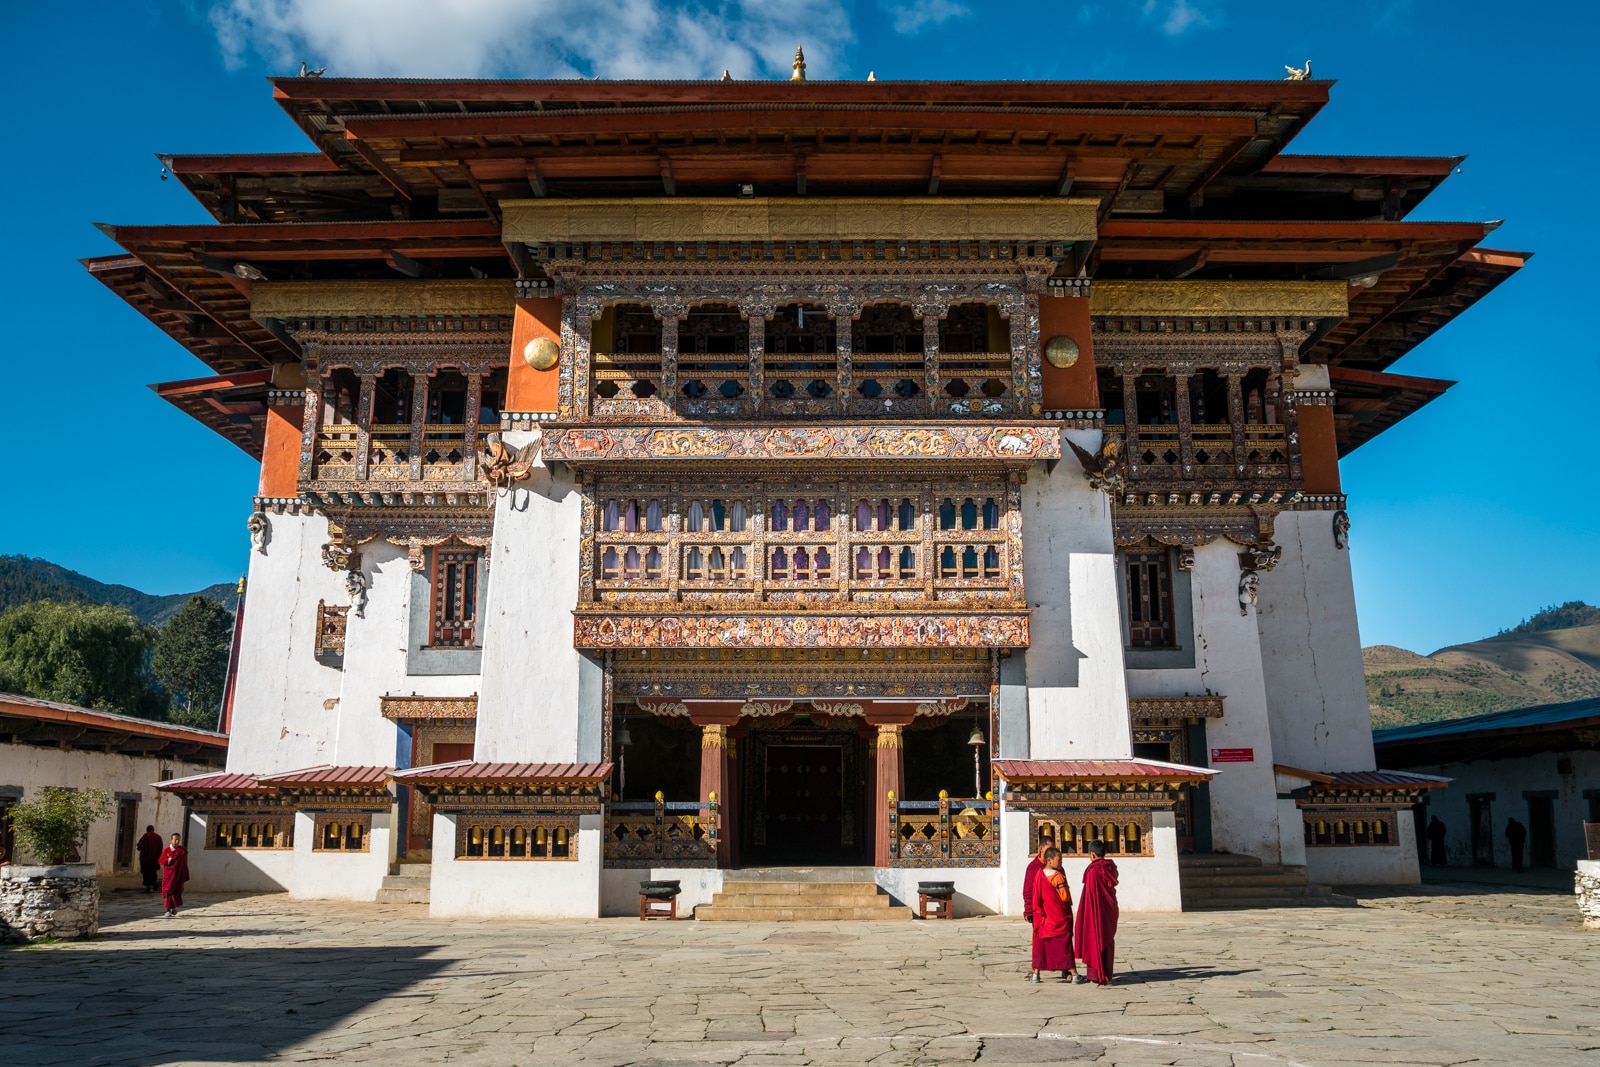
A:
[(799, 74), (1298, 74)]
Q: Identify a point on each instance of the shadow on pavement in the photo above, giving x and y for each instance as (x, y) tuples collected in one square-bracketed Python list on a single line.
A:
[(148, 1006), (1178, 974)]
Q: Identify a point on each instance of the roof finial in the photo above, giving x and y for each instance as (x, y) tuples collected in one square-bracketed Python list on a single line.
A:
[(1298, 74), (726, 76), (872, 75), (799, 74)]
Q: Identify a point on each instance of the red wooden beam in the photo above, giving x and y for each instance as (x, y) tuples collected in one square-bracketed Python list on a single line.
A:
[(375, 231), (1384, 380), (257, 163), (1222, 230), (1365, 166)]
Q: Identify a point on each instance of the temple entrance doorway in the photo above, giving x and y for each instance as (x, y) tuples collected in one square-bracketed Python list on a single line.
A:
[(804, 798), (432, 744)]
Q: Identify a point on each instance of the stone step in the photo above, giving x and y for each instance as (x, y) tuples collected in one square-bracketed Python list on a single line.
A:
[(1265, 876), (869, 888), (1276, 900), (1217, 859), (800, 874), (801, 900), (716, 912), (386, 895), (407, 881)]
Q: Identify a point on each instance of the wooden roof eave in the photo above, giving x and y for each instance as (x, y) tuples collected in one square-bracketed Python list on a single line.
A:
[(215, 403)]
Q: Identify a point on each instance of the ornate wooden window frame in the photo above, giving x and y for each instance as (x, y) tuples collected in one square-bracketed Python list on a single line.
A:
[(1347, 827), (490, 836), (240, 823), (352, 831), (1127, 833)]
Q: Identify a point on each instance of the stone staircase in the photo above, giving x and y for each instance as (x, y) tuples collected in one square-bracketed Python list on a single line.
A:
[(1218, 880), (816, 894), (406, 883)]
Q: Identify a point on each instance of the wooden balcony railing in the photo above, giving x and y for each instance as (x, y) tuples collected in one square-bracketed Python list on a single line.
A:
[(641, 834), (1205, 452), (943, 833)]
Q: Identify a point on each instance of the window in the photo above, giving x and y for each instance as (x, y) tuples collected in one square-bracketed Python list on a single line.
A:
[(455, 596), (342, 833), (250, 830), (1149, 599), (511, 837)]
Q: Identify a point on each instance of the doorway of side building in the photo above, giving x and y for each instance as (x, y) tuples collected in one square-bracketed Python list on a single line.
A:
[(430, 745), (1541, 831), (804, 790), (1482, 830)]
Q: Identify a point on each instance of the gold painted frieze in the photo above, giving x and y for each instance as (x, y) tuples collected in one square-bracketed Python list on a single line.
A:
[(810, 630), (1281, 299), (1017, 443)]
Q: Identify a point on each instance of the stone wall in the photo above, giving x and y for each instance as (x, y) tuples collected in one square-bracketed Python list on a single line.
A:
[(60, 901), (1587, 886)]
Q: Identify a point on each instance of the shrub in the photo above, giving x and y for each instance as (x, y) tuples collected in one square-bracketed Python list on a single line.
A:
[(57, 820)]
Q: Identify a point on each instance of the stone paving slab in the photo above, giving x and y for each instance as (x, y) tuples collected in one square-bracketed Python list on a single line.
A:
[(1431, 975)]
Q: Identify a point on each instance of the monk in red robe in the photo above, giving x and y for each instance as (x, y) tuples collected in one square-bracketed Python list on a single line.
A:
[(1097, 915), (1052, 921), (149, 849), (174, 872), (1031, 875)]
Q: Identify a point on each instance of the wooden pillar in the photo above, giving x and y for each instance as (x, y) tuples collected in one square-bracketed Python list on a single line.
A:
[(419, 416), (1185, 421), (469, 434), (890, 780), (364, 425), (1236, 421), (714, 776)]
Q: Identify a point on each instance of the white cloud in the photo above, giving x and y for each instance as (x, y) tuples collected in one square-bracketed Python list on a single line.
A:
[(535, 38), (911, 17), (1178, 16)]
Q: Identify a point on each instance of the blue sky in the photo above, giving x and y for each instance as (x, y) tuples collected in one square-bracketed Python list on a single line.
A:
[(1467, 517)]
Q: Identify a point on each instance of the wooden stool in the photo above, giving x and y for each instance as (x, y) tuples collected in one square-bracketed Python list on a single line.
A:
[(656, 908), (939, 906)]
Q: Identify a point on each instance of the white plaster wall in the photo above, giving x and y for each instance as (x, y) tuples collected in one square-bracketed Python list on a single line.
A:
[(1144, 883), (978, 889), (1311, 650), (1077, 693), (375, 662), (619, 888), (339, 875), (1292, 833), (1369, 865), (31, 767), (226, 870), (555, 889), (1244, 815), (1508, 779), (528, 704), (280, 721), (1015, 852)]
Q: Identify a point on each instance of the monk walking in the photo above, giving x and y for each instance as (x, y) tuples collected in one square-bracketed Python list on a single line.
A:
[(1097, 915), (1031, 875), (1052, 921), (174, 872), (149, 849)]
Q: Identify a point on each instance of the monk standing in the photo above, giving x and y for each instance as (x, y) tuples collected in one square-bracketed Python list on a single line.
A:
[(149, 849), (1052, 921), (1097, 915), (174, 872)]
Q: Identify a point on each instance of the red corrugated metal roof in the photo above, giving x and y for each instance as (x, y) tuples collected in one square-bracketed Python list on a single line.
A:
[(1083, 768), (329, 775), (215, 783), (15, 706), (465, 770), (1380, 779)]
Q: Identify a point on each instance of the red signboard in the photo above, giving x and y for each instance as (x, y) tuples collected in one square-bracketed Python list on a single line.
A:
[(1233, 755)]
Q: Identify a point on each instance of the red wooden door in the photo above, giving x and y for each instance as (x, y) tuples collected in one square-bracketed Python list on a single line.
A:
[(420, 837)]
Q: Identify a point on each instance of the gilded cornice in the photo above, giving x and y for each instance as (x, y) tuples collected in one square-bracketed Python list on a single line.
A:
[(1277, 299), (417, 708), (292, 300), (1159, 709), (799, 219)]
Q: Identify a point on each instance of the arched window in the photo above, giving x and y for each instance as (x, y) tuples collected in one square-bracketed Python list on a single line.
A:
[(716, 565), (824, 515), (630, 517), (864, 563), (947, 514), (697, 518), (824, 564), (908, 515), (694, 564), (780, 516), (802, 516), (969, 562), (991, 562), (652, 563), (737, 567), (652, 516), (947, 562), (969, 514), (611, 520), (883, 514), (908, 564), (883, 562), (991, 514), (780, 564), (630, 564), (736, 517), (863, 516), (608, 564), (719, 516), (802, 564)]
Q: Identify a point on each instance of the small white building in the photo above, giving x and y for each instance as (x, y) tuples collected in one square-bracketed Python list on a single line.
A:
[(1539, 765), (48, 744)]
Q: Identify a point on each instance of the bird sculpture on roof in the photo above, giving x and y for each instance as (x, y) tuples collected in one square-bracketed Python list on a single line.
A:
[(305, 72), (1298, 74)]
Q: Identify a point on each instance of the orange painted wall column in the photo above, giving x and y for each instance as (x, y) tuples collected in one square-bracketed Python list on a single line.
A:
[(528, 389), (280, 455), (1074, 386), (1319, 449)]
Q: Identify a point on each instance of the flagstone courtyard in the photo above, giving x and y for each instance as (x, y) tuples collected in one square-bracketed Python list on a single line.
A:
[(1443, 974)]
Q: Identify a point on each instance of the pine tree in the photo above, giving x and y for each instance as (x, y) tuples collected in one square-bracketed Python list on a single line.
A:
[(191, 660)]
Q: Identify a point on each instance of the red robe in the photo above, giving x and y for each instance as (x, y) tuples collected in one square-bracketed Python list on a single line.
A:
[(1029, 876), (174, 872), (1052, 926), (1097, 920), (149, 848)]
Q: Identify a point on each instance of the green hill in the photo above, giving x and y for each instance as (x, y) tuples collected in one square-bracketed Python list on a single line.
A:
[(1553, 656), (24, 579)]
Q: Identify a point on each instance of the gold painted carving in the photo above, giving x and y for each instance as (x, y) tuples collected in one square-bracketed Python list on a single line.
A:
[(890, 736), (291, 300), (414, 708), (1155, 709), (764, 708), (1278, 299), (713, 736), (837, 707), (811, 219)]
